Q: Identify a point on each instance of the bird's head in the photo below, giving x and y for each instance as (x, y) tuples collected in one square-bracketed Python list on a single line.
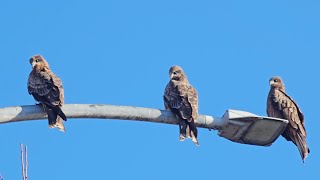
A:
[(38, 62), (276, 82), (176, 73)]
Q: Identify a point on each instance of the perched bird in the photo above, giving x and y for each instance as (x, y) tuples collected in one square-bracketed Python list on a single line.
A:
[(280, 105), (47, 89), (182, 99)]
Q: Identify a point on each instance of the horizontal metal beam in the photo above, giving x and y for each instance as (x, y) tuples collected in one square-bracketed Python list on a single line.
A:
[(97, 111)]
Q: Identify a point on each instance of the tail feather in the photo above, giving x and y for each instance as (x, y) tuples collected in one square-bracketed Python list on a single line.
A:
[(302, 146), (55, 120), (188, 130), (193, 132), (58, 111), (59, 124)]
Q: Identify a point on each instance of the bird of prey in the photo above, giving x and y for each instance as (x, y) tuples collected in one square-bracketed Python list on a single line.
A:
[(47, 89), (182, 99), (280, 105)]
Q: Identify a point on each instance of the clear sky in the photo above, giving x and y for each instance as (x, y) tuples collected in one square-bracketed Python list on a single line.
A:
[(119, 52)]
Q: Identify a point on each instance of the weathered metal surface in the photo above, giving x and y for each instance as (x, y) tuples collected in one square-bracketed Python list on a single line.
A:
[(248, 128), (237, 126), (84, 111)]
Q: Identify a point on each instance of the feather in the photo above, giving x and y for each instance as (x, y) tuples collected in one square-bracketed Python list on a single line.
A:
[(281, 105), (182, 99), (46, 88)]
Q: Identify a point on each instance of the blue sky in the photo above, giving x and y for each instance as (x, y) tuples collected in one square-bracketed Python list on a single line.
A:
[(119, 52)]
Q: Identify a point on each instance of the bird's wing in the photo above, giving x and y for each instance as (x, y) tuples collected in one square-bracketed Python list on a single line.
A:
[(176, 99), (58, 88), (39, 83), (45, 87), (172, 97), (193, 101), (289, 110)]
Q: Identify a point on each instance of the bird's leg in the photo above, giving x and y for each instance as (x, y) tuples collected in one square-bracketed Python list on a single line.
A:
[(182, 131), (181, 137)]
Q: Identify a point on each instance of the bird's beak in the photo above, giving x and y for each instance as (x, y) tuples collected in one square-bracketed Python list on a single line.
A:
[(271, 82), (33, 64)]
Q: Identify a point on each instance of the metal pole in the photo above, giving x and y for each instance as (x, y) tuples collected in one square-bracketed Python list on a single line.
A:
[(35, 112)]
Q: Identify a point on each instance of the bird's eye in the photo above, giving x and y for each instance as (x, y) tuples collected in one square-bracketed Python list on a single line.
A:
[(276, 80), (175, 73), (37, 60)]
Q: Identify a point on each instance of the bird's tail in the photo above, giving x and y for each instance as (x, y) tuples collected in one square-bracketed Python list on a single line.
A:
[(193, 132), (56, 117), (301, 143), (59, 124), (188, 130), (59, 112)]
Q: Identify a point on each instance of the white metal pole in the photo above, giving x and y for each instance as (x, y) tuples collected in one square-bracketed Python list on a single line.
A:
[(84, 111)]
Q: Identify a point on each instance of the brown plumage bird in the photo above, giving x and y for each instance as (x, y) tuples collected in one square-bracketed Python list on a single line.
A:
[(280, 105), (47, 89), (182, 99)]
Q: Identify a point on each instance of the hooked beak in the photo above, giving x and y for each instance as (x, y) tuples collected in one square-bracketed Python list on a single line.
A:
[(33, 64), (271, 82)]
